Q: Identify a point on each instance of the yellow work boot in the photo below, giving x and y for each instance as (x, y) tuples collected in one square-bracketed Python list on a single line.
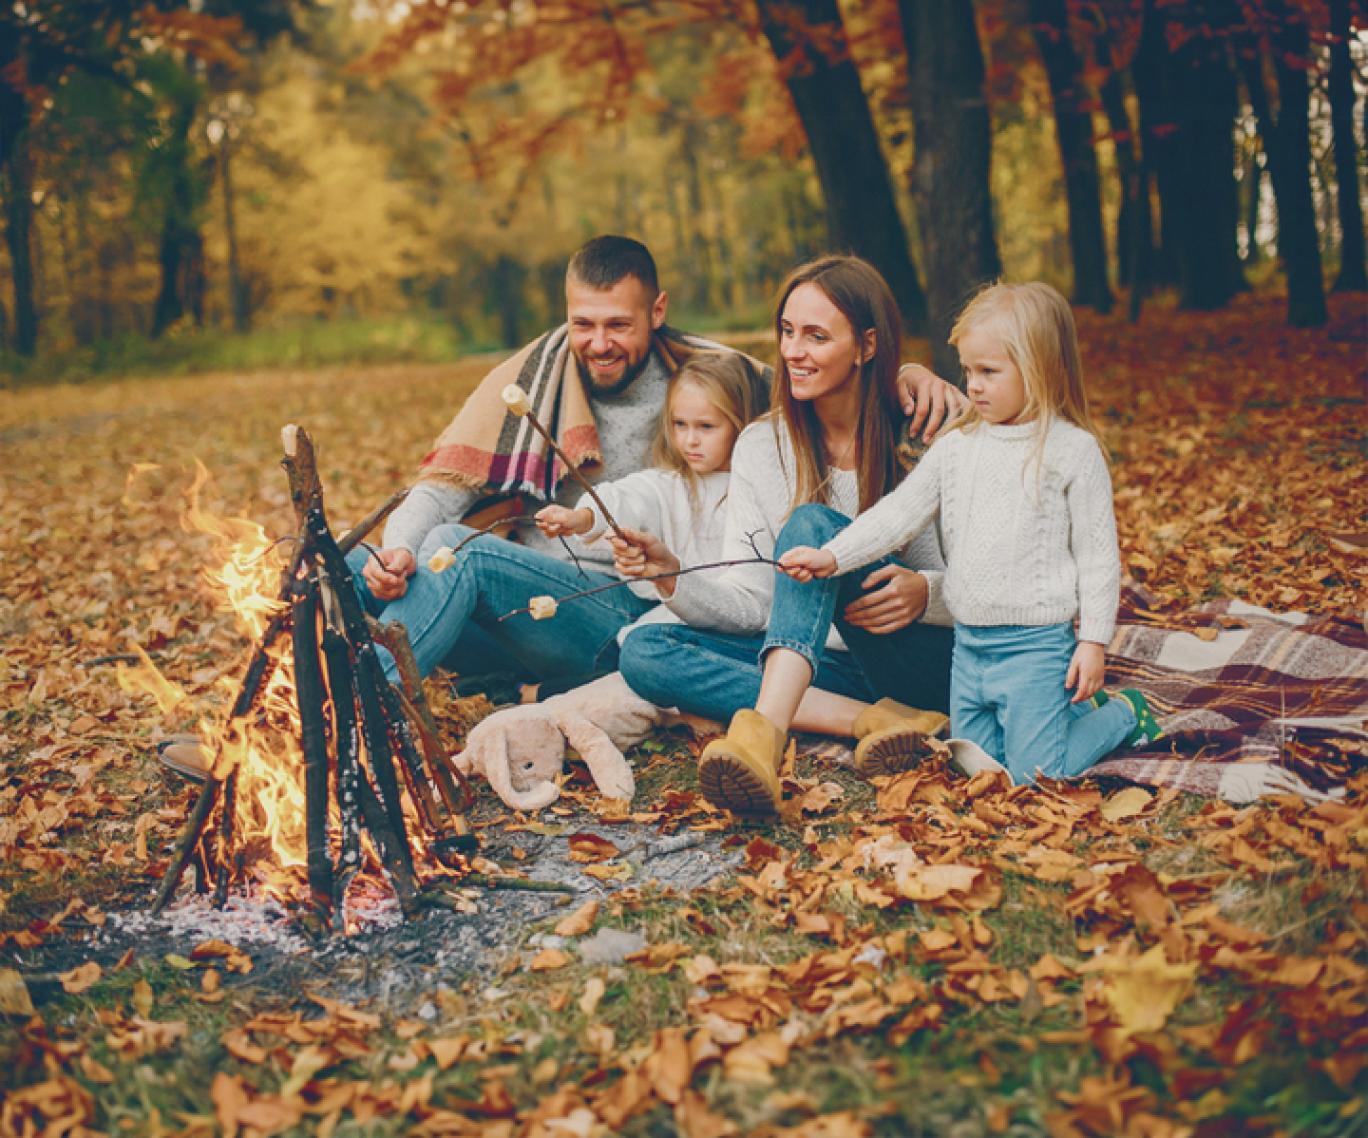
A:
[(740, 771), (894, 737)]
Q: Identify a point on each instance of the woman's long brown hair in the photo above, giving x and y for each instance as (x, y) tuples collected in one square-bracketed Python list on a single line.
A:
[(863, 298)]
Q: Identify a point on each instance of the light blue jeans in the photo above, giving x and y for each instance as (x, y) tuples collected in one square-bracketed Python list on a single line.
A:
[(1007, 694), (452, 617), (717, 674)]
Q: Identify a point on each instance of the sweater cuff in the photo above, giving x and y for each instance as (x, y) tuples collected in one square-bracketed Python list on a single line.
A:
[(1097, 629), (936, 610)]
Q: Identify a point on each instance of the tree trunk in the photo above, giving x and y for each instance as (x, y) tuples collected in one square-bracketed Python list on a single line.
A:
[(1134, 211), (1253, 191), (809, 41), (181, 252), (1074, 131), (1204, 93), (701, 267), (1158, 148), (1353, 276), (17, 178), (1287, 143), (238, 301), (950, 173)]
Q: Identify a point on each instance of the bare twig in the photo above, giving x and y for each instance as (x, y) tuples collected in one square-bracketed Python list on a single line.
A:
[(757, 560), (574, 472)]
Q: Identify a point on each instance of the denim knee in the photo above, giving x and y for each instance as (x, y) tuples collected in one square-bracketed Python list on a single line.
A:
[(643, 661), (810, 524)]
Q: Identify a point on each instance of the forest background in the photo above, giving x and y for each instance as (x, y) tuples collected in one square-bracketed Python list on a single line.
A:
[(234, 184)]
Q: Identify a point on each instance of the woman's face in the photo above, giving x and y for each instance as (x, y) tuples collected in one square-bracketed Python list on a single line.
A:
[(818, 345)]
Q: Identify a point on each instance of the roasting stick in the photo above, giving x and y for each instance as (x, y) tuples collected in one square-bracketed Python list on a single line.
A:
[(515, 398)]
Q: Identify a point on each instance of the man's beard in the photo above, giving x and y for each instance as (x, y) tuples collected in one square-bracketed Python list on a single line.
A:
[(628, 376)]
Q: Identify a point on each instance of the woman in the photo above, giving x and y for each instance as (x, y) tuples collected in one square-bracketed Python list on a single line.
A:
[(827, 451)]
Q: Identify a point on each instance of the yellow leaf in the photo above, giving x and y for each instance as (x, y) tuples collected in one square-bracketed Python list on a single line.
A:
[(81, 978), (548, 960), (1143, 991), (1125, 803), (929, 882), (14, 994), (142, 997), (580, 921), (593, 993)]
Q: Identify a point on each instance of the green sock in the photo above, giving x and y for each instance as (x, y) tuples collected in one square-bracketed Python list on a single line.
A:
[(1146, 729)]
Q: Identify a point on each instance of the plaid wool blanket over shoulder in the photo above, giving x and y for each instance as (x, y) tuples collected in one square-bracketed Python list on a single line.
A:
[(487, 449)]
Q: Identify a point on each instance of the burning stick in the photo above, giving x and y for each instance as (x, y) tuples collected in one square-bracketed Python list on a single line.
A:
[(515, 398), (310, 694), (347, 742)]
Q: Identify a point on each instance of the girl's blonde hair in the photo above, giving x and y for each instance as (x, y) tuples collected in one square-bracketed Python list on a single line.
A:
[(1036, 328), (728, 382)]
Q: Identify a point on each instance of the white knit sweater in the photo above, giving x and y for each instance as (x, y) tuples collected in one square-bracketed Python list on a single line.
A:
[(660, 502), (760, 499), (1028, 542)]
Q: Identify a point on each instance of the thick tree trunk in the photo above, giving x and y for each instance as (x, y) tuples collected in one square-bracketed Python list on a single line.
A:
[(1253, 187), (1353, 275), (1287, 143), (1074, 131), (509, 278), (1158, 145), (952, 160), (17, 180), (1204, 98), (809, 41)]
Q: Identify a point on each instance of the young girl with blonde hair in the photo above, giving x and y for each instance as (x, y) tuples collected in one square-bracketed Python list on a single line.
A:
[(679, 498), (1023, 497)]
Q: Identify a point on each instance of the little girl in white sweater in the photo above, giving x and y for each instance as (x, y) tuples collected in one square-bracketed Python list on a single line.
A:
[(679, 498), (1023, 498)]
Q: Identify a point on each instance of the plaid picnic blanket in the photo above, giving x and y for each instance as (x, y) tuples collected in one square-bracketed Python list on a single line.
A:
[(1251, 702), (1248, 699)]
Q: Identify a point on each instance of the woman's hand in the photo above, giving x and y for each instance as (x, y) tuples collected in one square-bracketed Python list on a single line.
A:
[(928, 399), (803, 563), (644, 555), (1087, 669), (899, 598), (387, 572), (554, 521)]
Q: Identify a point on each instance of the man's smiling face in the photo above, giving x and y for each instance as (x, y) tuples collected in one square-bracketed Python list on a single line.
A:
[(610, 330)]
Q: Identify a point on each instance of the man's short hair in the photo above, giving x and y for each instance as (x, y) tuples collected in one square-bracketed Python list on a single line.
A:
[(604, 261)]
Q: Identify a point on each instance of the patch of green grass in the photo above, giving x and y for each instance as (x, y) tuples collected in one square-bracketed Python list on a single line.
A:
[(298, 344)]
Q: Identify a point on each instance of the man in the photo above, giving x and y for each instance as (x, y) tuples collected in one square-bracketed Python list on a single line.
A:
[(598, 383)]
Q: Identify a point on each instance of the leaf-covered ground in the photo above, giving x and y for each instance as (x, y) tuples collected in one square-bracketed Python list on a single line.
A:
[(926, 956)]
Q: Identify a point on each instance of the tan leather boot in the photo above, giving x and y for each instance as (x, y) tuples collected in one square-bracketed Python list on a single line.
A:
[(740, 771), (893, 737)]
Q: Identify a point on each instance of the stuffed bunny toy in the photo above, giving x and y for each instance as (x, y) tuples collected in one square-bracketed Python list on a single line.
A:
[(520, 750)]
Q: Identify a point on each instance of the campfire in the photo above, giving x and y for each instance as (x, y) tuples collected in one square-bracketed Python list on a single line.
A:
[(321, 768)]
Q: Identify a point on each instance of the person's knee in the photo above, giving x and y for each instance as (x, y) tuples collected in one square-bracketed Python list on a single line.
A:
[(810, 524), (446, 536), (642, 661)]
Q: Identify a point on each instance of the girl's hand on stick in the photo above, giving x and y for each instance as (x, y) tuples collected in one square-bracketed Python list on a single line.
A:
[(1086, 670), (556, 521), (894, 597), (387, 573), (641, 555), (803, 563)]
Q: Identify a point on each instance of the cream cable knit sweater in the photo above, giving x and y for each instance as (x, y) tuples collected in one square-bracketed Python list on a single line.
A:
[(1027, 542), (759, 500)]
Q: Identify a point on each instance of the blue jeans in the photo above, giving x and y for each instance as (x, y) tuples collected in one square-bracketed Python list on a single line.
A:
[(1007, 694), (453, 617), (717, 674)]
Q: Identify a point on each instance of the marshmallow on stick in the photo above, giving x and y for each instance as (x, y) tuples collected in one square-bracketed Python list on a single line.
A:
[(515, 399)]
